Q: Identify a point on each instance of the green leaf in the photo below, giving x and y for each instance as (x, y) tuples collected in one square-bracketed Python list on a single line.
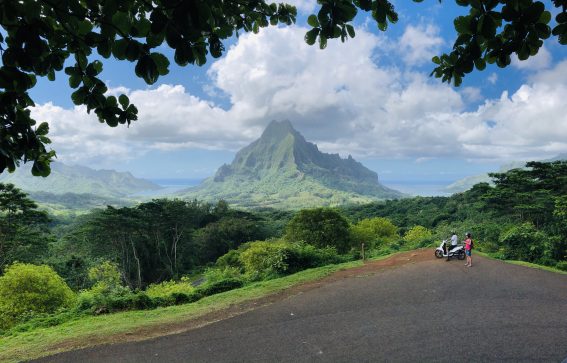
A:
[(480, 64), (463, 24), (147, 69), (42, 129), (311, 36), (312, 21), (122, 21), (322, 42), (350, 30), (161, 62), (75, 80), (545, 17), (119, 48), (124, 101)]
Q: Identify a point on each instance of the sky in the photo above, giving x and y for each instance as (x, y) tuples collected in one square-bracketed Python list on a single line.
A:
[(370, 97)]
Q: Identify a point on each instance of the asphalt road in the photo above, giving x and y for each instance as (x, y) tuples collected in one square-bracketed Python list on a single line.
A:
[(432, 311)]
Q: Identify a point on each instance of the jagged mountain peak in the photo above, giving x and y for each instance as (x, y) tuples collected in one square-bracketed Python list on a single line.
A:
[(282, 160), (278, 129)]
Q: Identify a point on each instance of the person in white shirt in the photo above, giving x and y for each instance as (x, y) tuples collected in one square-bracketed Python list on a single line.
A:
[(454, 242)]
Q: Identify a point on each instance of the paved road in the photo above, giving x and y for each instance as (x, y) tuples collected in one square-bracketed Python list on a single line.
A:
[(432, 311)]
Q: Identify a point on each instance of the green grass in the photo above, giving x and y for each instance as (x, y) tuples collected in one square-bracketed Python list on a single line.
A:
[(83, 332), (522, 263)]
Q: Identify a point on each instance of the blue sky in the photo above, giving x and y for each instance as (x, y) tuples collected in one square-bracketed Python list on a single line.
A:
[(370, 97)]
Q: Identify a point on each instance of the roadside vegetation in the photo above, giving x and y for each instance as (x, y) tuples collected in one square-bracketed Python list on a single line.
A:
[(167, 253)]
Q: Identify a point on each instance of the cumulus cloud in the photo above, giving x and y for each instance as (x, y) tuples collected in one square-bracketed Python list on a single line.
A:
[(342, 98), (541, 60), (419, 44), (303, 6)]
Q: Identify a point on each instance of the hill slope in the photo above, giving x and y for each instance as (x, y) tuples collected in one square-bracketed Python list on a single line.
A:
[(78, 180), (282, 169), (465, 184)]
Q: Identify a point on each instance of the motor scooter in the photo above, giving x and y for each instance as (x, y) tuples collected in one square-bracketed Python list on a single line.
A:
[(457, 251)]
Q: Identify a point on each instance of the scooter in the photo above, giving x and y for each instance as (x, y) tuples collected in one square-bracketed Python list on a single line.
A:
[(457, 251)]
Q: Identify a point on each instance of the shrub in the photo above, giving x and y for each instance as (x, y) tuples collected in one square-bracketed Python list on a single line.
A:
[(320, 227), (230, 259), (524, 242), (562, 265), (106, 273), (167, 288), (217, 274), (264, 260), (27, 289), (104, 299), (418, 236), (374, 231), (220, 286)]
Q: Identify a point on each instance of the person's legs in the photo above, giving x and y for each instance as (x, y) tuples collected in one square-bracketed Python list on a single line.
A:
[(469, 259)]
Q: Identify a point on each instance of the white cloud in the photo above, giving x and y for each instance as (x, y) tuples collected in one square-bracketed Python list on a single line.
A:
[(419, 44), (493, 78), (541, 60), (339, 98), (303, 6)]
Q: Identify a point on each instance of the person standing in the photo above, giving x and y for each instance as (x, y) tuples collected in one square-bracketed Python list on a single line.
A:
[(454, 241), (468, 249)]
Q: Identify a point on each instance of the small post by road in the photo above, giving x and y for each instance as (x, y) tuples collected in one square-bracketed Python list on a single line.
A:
[(363, 256)]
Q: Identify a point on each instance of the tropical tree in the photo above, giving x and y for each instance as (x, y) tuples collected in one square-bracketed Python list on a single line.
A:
[(28, 289), (320, 227), (37, 38), (24, 233), (374, 230)]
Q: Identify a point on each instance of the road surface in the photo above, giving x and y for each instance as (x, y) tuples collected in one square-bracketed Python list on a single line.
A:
[(422, 311)]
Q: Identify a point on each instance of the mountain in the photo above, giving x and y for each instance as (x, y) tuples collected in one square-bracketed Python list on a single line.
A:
[(79, 180), (468, 182), (281, 169), (465, 184), (77, 188)]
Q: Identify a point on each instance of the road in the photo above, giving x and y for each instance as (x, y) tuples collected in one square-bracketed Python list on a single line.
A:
[(424, 311)]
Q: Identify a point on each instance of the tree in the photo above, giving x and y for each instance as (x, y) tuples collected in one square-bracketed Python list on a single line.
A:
[(38, 37), (320, 227), (373, 230), (24, 233), (418, 234), (28, 289)]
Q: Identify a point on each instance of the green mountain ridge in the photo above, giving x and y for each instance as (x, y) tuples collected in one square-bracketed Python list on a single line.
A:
[(282, 170), (465, 184), (66, 179)]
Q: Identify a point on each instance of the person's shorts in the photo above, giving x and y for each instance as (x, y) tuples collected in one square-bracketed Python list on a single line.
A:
[(468, 252)]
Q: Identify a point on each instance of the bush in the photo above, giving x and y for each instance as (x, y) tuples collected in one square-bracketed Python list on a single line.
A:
[(374, 231), (168, 288), (230, 259), (418, 236), (220, 286), (102, 298), (263, 260), (27, 289), (320, 227), (561, 265), (524, 242)]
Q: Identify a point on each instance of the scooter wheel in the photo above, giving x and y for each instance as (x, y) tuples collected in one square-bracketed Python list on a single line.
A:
[(461, 255), (438, 254)]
